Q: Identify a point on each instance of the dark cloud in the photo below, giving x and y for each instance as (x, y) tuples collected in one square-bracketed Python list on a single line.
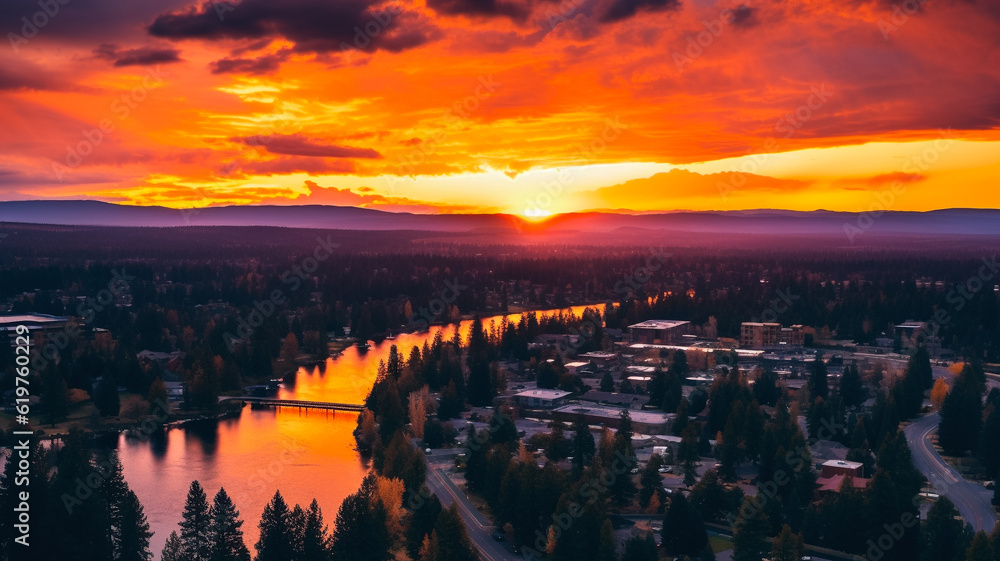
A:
[(291, 164), (264, 64), (318, 26), (81, 21), (480, 8), (300, 145), (744, 16), (618, 10), (137, 57), (20, 75)]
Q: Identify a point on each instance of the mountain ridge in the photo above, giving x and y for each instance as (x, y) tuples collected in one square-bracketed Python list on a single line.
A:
[(772, 221)]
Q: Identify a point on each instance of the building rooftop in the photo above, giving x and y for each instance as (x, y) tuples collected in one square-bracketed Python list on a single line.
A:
[(658, 324), (834, 483), (614, 398), (843, 464), (543, 393), (645, 417), (598, 355), (31, 319)]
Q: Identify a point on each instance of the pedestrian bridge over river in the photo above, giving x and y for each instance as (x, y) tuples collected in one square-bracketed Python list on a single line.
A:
[(296, 403)]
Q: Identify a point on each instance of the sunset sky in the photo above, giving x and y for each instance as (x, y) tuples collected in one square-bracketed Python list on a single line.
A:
[(523, 106)]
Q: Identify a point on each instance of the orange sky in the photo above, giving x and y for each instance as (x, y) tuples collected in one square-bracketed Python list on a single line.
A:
[(524, 106)]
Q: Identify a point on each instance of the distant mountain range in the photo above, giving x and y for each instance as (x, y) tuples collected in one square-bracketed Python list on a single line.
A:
[(95, 213)]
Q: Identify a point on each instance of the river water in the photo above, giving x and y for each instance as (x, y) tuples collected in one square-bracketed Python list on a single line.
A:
[(305, 454)]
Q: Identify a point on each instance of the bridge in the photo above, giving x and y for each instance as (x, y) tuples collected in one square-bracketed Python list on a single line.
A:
[(301, 404)]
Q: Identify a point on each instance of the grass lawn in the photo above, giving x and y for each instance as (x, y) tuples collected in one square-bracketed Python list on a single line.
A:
[(719, 543)]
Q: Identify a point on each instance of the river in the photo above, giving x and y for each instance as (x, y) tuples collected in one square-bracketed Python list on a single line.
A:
[(305, 454)]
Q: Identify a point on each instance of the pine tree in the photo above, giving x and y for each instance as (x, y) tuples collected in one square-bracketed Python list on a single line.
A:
[(359, 531), (107, 400), (981, 549), (622, 486), (920, 367), (787, 546), (641, 548), (583, 443), (422, 522), (942, 533), (196, 543), (114, 491), (608, 383), (316, 538), (989, 440), (961, 415), (683, 530), (818, 383), (852, 391), (226, 531), (297, 530), (480, 388), (134, 534), (606, 550), (454, 541), (430, 549), (172, 548), (750, 538), (274, 543)]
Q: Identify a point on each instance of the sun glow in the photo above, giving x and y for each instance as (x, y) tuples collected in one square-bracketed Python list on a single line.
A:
[(535, 214)]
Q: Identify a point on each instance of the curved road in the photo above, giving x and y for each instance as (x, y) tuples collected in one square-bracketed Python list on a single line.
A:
[(971, 500)]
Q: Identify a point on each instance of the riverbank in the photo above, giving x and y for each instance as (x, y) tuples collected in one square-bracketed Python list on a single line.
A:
[(86, 418)]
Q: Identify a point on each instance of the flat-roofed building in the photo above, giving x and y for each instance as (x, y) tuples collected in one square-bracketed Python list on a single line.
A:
[(831, 468), (659, 331), (39, 326), (541, 398), (643, 422)]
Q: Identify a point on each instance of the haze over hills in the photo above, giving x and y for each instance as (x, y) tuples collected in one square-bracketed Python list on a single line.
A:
[(96, 213)]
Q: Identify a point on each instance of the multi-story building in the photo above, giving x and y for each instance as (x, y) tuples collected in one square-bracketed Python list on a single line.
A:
[(759, 335), (659, 332)]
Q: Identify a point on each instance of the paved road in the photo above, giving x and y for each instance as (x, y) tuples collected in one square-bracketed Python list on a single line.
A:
[(479, 527), (971, 500)]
